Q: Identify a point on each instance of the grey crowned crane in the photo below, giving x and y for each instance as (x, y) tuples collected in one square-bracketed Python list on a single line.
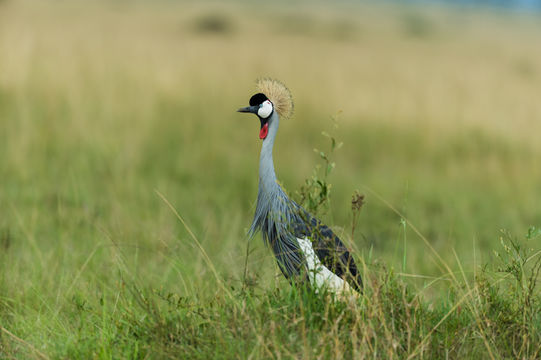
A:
[(306, 250)]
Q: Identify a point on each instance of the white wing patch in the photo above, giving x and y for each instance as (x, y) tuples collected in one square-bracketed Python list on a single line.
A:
[(320, 276)]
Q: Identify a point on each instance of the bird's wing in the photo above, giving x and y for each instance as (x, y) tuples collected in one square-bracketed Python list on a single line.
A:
[(286, 250), (330, 250)]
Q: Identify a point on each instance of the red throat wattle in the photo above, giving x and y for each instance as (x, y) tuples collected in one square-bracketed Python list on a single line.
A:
[(264, 131)]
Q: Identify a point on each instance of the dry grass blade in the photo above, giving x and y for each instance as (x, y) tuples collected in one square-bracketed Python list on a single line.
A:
[(199, 246), (425, 240), (427, 337), (473, 307), (28, 345)]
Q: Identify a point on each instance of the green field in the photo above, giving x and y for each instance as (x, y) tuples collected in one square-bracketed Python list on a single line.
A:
[(128, 181)]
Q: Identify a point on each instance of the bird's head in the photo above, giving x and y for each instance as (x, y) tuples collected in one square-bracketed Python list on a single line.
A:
[(263, 108), (272, 96)]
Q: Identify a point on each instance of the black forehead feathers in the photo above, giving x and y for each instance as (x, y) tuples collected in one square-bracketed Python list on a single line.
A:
[(257, 99)]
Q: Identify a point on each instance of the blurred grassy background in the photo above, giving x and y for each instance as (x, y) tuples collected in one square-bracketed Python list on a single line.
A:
[(103, 103)]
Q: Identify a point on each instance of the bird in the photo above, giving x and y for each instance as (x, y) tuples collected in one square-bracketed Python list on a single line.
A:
[(306, 250)]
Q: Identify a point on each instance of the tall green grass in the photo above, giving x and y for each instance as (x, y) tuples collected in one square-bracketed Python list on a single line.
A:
[(118, 120)]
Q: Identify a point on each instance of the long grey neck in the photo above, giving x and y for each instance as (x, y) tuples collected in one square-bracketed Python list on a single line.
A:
[(273, 212), (267, 176)]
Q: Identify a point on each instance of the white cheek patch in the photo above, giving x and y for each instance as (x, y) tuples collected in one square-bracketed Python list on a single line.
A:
[(265, 109)]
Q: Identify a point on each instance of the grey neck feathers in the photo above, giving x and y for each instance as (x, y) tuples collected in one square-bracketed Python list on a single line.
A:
[(267, 176), (276, 215), (273, 210)]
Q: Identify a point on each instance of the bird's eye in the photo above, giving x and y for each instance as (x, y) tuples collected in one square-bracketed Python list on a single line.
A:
[(265, 109)]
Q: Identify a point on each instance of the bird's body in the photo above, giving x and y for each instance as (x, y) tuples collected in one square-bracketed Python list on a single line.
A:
[(305, 249)]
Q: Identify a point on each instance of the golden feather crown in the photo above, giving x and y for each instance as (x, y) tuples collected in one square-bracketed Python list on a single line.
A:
[(278, 94)]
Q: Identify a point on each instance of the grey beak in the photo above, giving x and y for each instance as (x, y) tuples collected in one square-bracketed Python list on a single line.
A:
[(249, 109)]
